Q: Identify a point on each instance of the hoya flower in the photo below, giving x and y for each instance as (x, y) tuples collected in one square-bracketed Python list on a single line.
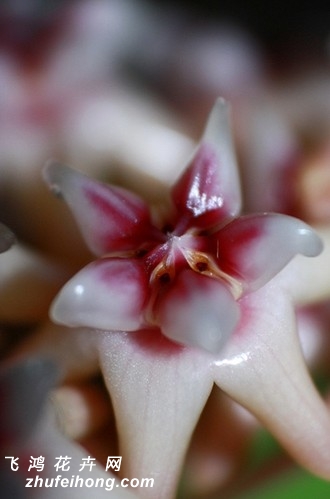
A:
[(188, 274), (204, 278)]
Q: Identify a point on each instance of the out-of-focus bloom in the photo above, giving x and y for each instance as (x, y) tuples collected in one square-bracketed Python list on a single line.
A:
[(23, 269), (204, 279), (313, 186), (7, 238), (23, 391), (271, 156), (28, 429)]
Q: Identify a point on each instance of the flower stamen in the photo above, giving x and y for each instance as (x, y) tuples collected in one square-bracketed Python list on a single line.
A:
[(204, 264)]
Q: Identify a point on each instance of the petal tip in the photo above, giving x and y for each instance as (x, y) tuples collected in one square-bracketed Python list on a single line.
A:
[(312, 244), (59, 312), (108, 294), (218, 118), (52, 174), (222, 105)]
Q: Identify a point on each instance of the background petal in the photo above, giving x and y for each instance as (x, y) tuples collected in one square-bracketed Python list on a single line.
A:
[(7, 238)]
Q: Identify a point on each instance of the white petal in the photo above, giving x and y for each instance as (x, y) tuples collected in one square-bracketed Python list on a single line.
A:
[(218, 134), (208, 190), (254, 248), (263, 369), (108, 294), (110, 218), (198, 311), (158, 390), (308, 281)]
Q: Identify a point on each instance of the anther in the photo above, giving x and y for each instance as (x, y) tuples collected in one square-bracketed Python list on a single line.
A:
[(141, 252), (164, 278), (202, 266)]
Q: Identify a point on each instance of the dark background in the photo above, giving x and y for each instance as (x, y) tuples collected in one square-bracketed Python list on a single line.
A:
[(286, 28)]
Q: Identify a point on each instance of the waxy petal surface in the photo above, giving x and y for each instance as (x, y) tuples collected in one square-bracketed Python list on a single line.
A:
[(208, 191), (254, 248), (109, 294), (198, 311), (190, 286), (158, 391), (263, 369), (308, 281), (110, 218)]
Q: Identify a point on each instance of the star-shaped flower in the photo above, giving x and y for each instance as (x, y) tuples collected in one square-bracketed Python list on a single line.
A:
[(187, 274), (202, 277)]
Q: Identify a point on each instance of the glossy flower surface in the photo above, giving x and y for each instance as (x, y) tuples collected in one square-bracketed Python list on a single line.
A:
[(186, 274), (203, 277)]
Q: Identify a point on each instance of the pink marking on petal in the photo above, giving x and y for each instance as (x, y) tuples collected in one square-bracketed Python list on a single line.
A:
[(153, 342), (208, 190), (110, 218), (254, 248), (198, 192), (108, 294)]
